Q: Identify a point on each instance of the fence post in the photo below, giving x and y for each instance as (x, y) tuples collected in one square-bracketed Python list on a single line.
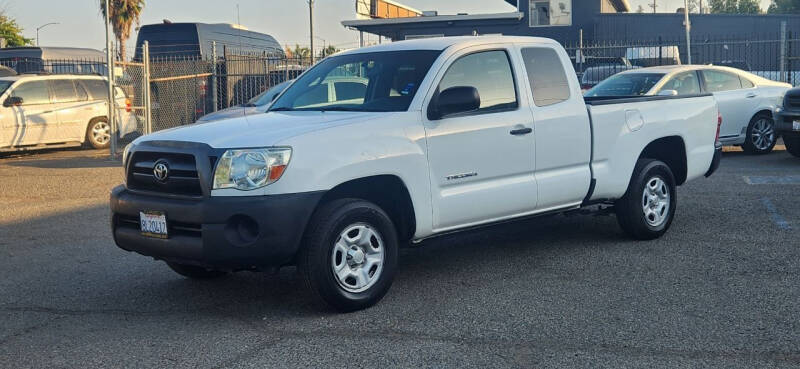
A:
[(580, 50), (214, 98), (789, 58), (148, 116), (783, 52), (660, 48)]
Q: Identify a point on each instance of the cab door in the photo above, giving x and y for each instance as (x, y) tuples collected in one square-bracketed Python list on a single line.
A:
[(481, 162), (33, 121)]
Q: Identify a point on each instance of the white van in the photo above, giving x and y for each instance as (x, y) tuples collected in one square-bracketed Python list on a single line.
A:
[(41, 111)]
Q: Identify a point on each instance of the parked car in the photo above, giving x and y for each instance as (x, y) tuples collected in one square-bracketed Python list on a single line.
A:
[(594, 75), (42, 111), (55, 60), (746, 101), (441, 141), (787, 121), (649, 56), (257, 104)]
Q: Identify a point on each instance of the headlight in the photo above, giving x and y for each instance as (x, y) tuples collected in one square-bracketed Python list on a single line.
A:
[(249, 169)]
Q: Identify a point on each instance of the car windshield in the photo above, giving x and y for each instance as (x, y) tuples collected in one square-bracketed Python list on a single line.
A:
[(4, 85), (626, 84), (266, 97), (379, 81)]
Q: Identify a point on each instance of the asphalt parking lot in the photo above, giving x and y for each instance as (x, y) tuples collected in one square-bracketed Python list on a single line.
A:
[(721, 289)]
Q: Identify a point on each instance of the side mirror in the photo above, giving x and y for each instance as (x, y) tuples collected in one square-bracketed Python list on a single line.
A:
[(12, 101), (667, 93), (454, 100)]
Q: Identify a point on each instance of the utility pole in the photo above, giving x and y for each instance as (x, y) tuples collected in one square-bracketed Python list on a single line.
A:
[(701, 6), (654, 6), (311, 26), (110, 75), (688, 27)]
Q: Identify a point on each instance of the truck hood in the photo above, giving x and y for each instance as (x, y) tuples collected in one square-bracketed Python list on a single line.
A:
[(259, 130), (232, 112)]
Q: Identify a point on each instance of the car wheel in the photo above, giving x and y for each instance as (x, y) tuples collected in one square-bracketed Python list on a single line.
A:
[(646, 210), (792, 143), (760, 137), (98, 133), (195, 272), (349, 256)]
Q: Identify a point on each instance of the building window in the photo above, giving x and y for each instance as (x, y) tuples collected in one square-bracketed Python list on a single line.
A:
[(550, 13)]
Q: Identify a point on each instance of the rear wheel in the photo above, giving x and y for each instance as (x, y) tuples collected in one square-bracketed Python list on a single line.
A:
[(349, 257), (195, 272), (792, 143), (648, 207), (98, 133), (761, 135)]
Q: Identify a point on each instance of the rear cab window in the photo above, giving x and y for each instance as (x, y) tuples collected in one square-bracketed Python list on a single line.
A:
[(546, 76)]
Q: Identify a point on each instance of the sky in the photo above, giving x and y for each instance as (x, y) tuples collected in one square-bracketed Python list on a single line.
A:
[(80, 24)]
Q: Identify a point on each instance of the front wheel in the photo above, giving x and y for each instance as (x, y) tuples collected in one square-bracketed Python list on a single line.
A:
[(646, 210), (761, 137), (349, 257), (792, 143)]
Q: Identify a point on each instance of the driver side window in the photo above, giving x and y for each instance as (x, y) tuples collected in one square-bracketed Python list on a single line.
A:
[(490, 73), (34, 92), (685, 83)]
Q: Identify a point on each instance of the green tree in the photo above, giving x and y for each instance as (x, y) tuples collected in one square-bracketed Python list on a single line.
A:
[(784, 7), (12, 32), (734, 6), (124, 14), (330, 50)]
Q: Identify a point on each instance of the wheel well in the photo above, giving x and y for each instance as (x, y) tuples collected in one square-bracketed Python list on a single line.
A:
[(388, 192), (672, 151)]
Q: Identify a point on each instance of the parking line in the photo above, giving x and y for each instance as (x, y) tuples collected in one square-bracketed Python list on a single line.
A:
[(779, 220), (760, 180)]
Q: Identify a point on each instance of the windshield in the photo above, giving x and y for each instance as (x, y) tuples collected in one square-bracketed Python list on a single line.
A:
[(626, 84), (266, 97), (380, 81)]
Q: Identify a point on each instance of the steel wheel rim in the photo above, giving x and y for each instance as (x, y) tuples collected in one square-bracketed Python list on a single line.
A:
[(357, 257), (763, 134), (655, 201), (101, 132)]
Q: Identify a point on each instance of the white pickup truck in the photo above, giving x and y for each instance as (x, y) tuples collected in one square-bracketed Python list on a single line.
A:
[(444, 135)]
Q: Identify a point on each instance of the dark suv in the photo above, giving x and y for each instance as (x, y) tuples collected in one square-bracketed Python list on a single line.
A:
[(787, 121)]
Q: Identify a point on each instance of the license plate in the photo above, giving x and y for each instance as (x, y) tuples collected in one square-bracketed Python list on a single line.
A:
[(796, 126), (153, 224)]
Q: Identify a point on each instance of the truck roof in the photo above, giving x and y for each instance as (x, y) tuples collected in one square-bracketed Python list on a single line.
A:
[(441, 43)]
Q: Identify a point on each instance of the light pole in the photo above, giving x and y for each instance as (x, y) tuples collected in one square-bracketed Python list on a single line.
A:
[(311, 26), (40, 27), (110, 75), (688, 30)]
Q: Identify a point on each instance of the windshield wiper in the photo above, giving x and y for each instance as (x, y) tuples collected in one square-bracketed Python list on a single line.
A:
[(283, 108), (344, 108)]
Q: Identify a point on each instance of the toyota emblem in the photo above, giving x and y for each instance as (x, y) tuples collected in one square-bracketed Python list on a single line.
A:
[(161, 171)]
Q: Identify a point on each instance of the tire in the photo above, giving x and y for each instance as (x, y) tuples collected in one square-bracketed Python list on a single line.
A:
[(349, 257), (760, 137), (792, 144), (98, 133), (195, 272), (647, 209)]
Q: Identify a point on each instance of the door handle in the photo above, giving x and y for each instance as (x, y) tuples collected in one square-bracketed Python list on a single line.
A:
[(521, 131), (750, 95)]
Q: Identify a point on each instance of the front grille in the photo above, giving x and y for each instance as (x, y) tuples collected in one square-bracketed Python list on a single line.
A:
[(793, 101), (173, 228), (181, 180)]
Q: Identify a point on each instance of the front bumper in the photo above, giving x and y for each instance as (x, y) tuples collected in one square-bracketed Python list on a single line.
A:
[(225, 233), (715, 161), (784, 122)]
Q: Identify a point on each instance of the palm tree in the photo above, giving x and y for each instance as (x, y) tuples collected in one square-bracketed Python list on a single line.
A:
[(124, 13)]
